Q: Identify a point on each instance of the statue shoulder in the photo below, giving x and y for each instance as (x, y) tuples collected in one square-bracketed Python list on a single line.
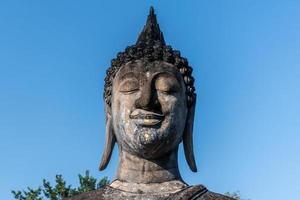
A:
[(198, 192), (213, 196)]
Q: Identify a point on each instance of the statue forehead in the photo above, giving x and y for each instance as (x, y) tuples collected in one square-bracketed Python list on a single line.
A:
[(148, 68)]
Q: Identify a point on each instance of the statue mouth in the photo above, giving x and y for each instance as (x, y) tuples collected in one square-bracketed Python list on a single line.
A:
[(146, 118)]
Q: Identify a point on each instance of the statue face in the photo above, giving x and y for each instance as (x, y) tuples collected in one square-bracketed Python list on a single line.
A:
[(149, 108)]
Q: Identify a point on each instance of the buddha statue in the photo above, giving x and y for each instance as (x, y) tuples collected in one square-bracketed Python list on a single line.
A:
[(150, 101)]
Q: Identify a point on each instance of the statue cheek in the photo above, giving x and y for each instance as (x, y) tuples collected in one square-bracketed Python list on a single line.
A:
[(178, 112), (171, 103), (167, 102), (124, 129), (122, 104)]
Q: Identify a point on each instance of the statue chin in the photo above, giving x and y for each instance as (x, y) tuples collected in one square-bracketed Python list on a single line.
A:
[(148, 137), (149, 143)]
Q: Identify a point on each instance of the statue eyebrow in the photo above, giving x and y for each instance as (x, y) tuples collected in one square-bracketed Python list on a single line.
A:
[(129, 75), (168, 74)]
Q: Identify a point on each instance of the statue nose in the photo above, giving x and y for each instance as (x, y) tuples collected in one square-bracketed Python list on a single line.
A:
[(148, 99)]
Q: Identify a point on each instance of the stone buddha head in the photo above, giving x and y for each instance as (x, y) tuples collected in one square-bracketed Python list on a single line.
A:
[(150, 103), (149, 99)]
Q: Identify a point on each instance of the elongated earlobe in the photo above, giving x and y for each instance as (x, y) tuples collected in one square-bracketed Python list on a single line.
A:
[(109, 143), (188, 138)]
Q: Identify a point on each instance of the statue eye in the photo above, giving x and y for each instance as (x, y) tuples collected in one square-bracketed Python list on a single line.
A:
[(167, 85), (129, 86)]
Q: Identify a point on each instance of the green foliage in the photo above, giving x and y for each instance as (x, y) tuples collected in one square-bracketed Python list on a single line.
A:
[(30, 194), (61, 190), (235, 195)]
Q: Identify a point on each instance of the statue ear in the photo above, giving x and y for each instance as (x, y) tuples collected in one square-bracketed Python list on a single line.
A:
[(110, 140), (188, 138)]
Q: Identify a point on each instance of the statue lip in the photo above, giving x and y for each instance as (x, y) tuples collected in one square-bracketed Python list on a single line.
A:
[(147, 118)]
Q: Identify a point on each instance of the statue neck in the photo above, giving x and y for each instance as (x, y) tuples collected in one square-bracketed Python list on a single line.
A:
[(134, 169)]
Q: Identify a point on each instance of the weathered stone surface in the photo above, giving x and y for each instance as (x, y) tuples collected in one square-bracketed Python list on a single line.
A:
[(150, 102), (197, 192)]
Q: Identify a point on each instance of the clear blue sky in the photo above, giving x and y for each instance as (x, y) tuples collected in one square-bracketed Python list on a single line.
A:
[(246, 60)]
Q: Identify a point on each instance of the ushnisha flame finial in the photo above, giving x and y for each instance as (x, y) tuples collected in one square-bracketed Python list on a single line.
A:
[(151, 33)]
